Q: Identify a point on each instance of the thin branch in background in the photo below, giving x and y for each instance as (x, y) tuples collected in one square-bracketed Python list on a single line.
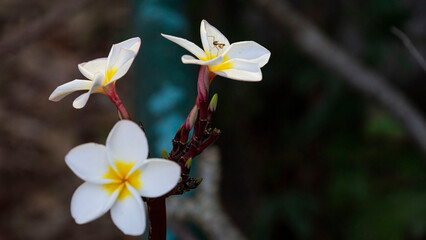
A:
[(410, 46), (315, 44)]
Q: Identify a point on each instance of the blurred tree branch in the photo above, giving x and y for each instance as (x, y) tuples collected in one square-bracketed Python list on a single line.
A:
[(205, 208), (331, 57), (410, 47), (59, 13)]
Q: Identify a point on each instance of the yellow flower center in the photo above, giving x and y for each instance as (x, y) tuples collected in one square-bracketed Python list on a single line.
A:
[(109, 74), (120, 178), (223, 66)]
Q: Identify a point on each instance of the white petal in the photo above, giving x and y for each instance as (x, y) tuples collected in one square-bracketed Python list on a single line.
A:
[(242, 70), (89, 162), (126, 143), (89, 69), (81, 101), (250, 51), (204, 38), (158, 177), (187, 59), (124, 56), (69, 87), (209, 36), (90, 201), (132, 44), (123, 63), (129, 214), (191, 47)]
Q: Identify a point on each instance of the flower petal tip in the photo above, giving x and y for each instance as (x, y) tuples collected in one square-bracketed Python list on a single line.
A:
[(53, 98), (81, 101)]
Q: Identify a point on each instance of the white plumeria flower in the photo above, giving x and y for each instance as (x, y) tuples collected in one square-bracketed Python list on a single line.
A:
[(238, 61), (116, 176), (101, 72)]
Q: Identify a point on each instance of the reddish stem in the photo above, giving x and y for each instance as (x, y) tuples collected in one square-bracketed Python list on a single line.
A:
[(113, 96), (157, 218), (182, 150), (203, 84), (211, 76), (214, 135), (156, 206)]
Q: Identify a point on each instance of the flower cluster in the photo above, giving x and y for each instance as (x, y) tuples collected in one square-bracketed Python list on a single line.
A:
[(119, 174)]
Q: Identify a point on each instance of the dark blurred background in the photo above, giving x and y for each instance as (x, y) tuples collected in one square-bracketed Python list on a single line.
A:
[(303, 154)]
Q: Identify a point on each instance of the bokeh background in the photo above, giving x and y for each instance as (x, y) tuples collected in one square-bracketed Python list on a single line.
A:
[(303, 155)]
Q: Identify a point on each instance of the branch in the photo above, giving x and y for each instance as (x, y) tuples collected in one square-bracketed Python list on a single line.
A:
[(409, 45), (205, 208), (331, 57), (38, 28)]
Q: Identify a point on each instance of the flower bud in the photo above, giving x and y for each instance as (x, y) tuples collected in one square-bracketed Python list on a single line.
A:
[(213, 103), (188, 163), (190, 120), (164, 154), (199, 180)]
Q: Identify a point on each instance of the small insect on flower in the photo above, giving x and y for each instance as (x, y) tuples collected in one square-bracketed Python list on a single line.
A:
[(116, 176), (238, 61), (101, 72), (218, 44)]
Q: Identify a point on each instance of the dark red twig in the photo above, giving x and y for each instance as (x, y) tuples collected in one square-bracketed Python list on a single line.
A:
[(183, 151), (113, 96), (203, 134), (157, 218)]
